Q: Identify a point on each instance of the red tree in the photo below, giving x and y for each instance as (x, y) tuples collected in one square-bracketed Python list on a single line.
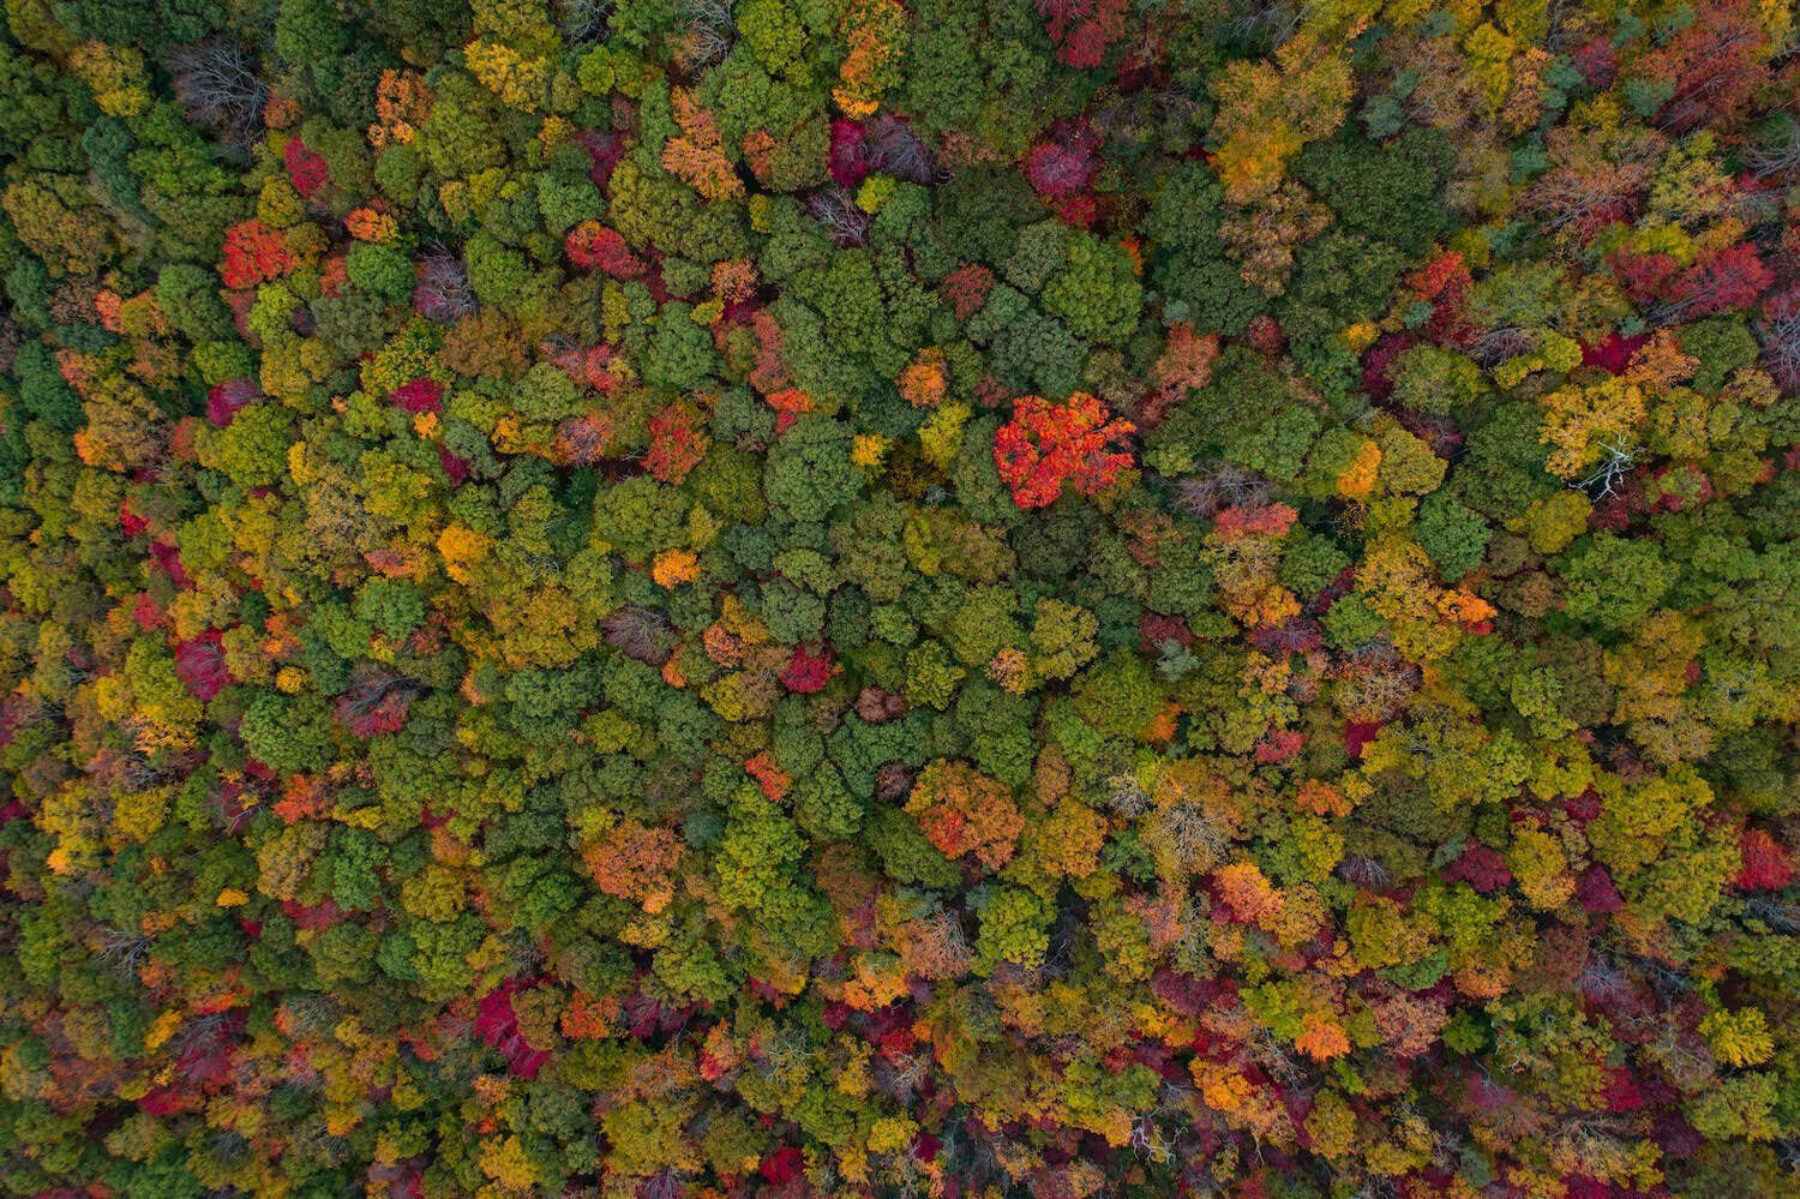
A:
[(1714, 66), (227, 399), (419, 395), (849, 159), (1083, 29), (200, 665), (807, 672), (1062, 166), (1767, 866), (1046, 445), (591, 245), (305, 169), (254, 254), (1732, 278), (676, 443)]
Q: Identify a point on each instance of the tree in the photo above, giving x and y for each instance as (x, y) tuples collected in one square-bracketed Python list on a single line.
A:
[(1083, 29), (636, 863), (1097, 293), (875, 34), (696, 156), (591, 245), (1386, 192), (254, 254), (808, 473), (1269, 111), (1045, 446), (1731, 279), (1616, 583), (1015, 930), (962, 811)]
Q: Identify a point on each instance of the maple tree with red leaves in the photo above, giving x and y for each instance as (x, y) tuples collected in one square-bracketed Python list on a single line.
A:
[(677, 445), (225, 400), (200, 664), (593, 246), (1084, 30), (1730, 279), (306, 170), (254, 254), (1045, 446), (419, 396), (1063, 166), (806, 672)]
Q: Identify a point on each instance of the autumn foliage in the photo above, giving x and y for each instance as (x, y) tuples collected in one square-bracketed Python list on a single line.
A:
[(756, 599)]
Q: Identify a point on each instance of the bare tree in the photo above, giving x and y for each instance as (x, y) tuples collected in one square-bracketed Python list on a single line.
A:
[(709, 35), (638, 633), (1194, 839), (895, 150), (219, 87), (1205, 495), (584, 22), (833, 208), (1778, 152), (1126, 796), (1783, 917), (1618, 462), (443, 292), (1265, 26), (1364, 871), (1779, 332), (664, 1184), (123, 950)]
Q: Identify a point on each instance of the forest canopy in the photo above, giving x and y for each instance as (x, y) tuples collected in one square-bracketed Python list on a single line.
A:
[(724, 598)]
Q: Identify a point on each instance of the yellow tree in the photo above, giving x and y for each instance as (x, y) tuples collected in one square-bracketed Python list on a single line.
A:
[(1268, 111)]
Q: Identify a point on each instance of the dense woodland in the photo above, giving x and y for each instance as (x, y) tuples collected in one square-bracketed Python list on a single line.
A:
[(857, 597)]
